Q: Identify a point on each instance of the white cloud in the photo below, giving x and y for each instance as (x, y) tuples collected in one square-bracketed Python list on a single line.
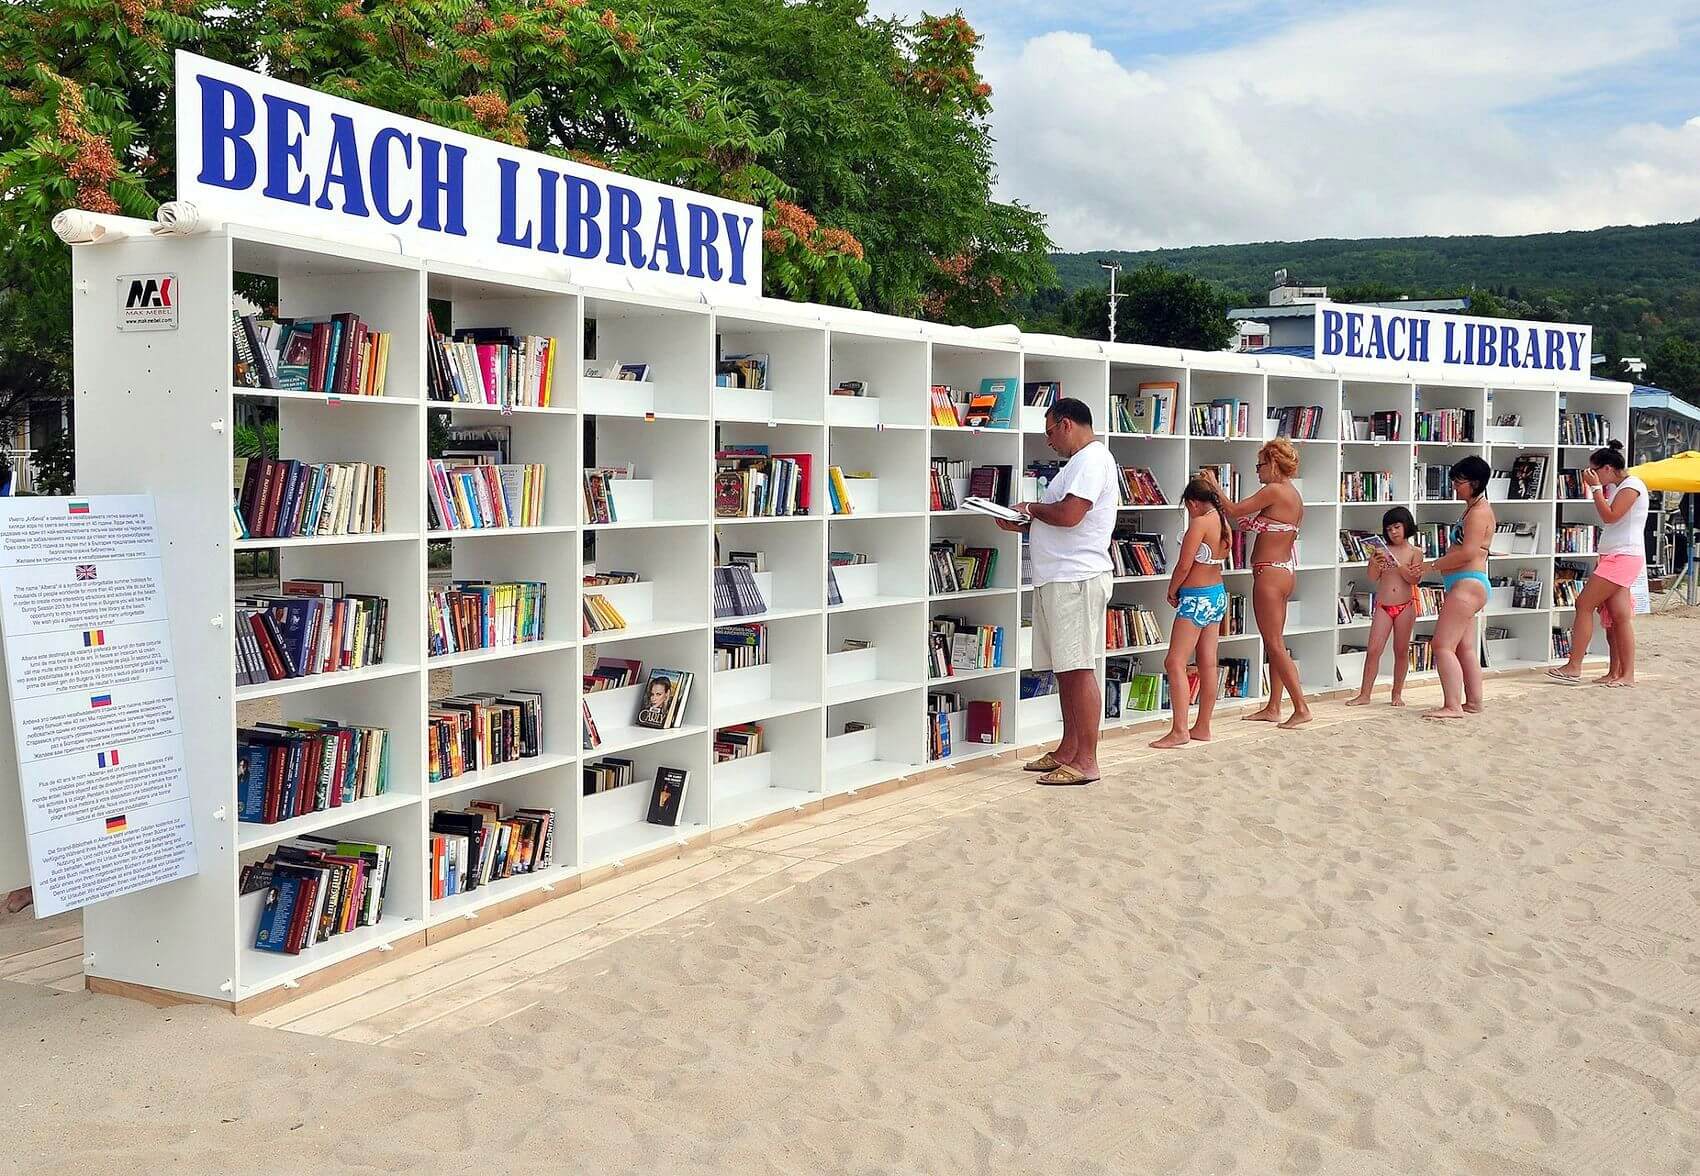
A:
[(1391, 120)]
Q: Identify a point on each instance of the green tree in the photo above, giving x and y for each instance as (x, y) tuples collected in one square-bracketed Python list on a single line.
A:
[(1675, 366), (1162, 307)]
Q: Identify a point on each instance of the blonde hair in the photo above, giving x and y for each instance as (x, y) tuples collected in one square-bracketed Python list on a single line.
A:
[(1280, 454)]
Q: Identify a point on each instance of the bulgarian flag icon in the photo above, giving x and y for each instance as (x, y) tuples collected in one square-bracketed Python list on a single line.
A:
[(79, 506)]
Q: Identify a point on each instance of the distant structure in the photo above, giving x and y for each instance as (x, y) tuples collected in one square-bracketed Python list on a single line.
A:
[(1634, 366), (1287, 324)]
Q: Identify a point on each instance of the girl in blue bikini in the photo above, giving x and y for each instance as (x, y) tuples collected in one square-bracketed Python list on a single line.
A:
[(1464, 568), (1200, 602)]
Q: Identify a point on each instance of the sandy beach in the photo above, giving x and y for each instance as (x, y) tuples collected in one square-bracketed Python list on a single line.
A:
[(1378, 945)]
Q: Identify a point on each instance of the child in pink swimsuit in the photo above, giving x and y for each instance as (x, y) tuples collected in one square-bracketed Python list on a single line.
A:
[(1394, 613)]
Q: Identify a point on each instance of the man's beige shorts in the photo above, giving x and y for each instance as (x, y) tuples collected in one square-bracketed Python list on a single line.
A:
[(1068, 624)]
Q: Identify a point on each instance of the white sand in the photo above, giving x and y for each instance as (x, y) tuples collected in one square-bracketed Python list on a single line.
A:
[(1350, 949)]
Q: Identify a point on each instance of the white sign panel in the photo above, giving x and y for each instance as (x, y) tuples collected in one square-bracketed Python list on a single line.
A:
[(97, 732), (264, 152), (1412, 341)]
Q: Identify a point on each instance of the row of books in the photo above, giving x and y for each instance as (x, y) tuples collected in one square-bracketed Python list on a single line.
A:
[(1560, 643), (1447, 425), (1575, 539), (1153, 409), (1387, 425), (1233, 621), (1138, 554), (1525, 588), (1432, 483), (1583, 428), (316, 888), (1225, 416), (476, 497), (1041, 393), (741, 371), (288, 499), (472, 732), (1367, 486), (1419, 660), (666, 795), (490, 365), (736, 590), (313, 628), (749, 482), (339, 355), (992, 407), (739, 742), (481, 844), (982, 721), (956, 644), (959, 569), (599, 503), (991, 482), (286, 770), (600, 615), (482, 614), (838, 488), (1567, 582), (1525, 480), (1131, 626), (1570, 488), (1138, 486), (613, 673), (1227, 476), (738, 647), (1434, 539), (1299, 422)]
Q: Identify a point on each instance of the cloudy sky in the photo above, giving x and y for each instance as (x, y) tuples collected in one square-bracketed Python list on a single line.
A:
[(1143, 123)]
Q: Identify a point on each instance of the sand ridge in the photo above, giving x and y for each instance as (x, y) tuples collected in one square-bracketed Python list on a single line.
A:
[(1349, 949)]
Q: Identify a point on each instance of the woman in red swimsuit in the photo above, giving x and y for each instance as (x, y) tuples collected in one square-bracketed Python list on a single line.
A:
[(1273, 514), (1394, 613)]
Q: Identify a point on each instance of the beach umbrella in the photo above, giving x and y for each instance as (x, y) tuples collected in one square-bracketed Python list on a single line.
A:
[(1681, 474)]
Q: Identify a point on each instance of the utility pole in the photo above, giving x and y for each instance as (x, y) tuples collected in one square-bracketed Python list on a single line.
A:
[(1114, 268)]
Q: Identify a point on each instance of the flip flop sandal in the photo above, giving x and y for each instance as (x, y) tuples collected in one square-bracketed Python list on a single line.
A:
[(1564, 679), (1066, 774), (1045, 763)]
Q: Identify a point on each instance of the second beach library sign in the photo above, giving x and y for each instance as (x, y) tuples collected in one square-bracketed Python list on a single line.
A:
[(258, 151), (1420, 343)]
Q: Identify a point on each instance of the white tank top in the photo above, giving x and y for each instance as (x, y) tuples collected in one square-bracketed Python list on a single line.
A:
[(1627, 535)]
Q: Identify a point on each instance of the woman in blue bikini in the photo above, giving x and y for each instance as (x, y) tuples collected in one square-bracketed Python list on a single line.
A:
[(1464, 568), (1200, 602)]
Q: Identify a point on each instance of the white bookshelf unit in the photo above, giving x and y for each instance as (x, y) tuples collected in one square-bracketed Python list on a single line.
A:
[(156, 412)]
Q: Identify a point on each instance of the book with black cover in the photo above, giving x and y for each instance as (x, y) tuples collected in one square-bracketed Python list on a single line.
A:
[(668, 799)]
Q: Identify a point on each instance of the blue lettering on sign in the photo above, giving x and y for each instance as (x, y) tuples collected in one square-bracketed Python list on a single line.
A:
[(584, 206), (381, 144), (704, 229), (447, 180), (227, 119), (508, 234), (738, 233), (343, 168), (283, 148), (666, 238), (625, 210)]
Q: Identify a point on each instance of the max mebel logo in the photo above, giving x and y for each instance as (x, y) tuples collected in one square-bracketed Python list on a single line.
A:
[(149, 292)]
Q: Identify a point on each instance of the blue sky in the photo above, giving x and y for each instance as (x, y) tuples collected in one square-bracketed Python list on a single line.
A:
[(1143, 123)]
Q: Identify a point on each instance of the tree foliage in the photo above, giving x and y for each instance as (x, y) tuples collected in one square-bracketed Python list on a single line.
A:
[(1160, 307), (865, 139)]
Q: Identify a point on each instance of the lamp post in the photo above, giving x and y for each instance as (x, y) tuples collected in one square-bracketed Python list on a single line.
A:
[(1113, 268)]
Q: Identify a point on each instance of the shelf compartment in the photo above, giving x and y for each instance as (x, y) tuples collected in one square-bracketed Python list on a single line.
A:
[(254, 835), (500, 774), (284, 686)]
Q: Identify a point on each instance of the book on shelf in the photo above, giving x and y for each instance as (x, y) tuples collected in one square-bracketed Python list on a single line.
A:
[(1583, 428), (341, 355), (608, 773), (667, 797), (491, 366), (1298, 422), (960, 569), (834, 594), (991, 482), (1447, 426), (482, 844), (1386, 425), (1041, 393), (600, 616), (591, 738), (1037, 683), (850, 388), (625, 373), (736, 591), (955, 644), (596, 579), (1367, 486), (1137, 553), (316, 888), (741, 371), (1227, 476), (749, 482), (1224, 416), (474, 731), (287, 770), (613, 673), (943, 473), (1131, 626), (980, 409), (288, 499), (1150, 410), (738, 742), (1138, 486), (1575, 539), (599, 505), (1233, 621), (941, 705), (985, 721), (1353, 545), (1432, 482), (838, 494), (481, 614), (1004, 392), (662, 705), (484, 496), (312, 628), (738, 647), (1527, 476)]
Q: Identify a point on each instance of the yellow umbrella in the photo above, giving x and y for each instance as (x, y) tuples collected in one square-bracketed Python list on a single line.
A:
[(1681, 474)]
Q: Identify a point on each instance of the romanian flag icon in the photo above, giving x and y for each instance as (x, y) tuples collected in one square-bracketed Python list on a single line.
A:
[(78, 506), (106, 759), (116, 825), (94, 637), (100, 700)]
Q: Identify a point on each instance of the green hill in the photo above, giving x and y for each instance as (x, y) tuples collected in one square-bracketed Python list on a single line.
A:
[(1636, 285)]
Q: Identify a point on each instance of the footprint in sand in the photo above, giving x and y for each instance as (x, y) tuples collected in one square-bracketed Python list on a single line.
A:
[(1253, 1054), (1280, 1097)]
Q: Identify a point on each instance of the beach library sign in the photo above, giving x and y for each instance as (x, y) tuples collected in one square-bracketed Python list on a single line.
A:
[(254, 150), (1419, 343)]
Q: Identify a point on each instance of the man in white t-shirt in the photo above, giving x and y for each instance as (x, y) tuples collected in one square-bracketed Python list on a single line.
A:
[(1069, 540)]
